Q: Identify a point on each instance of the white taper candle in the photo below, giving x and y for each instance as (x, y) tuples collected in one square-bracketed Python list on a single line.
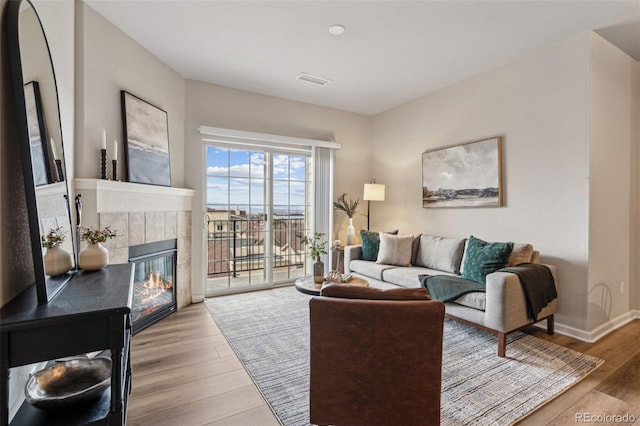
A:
[(53, 149)]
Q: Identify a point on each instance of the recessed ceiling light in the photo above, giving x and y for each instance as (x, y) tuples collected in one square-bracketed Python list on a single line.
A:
[(336, 30)]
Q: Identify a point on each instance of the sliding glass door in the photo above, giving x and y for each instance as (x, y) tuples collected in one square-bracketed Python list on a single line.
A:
[(257, 211)]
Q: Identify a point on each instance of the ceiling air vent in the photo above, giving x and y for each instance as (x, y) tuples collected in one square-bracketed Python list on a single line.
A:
[(313, 79)]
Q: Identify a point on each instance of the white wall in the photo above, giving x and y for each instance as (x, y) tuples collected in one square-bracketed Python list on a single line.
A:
[(218, 106), (610, 193), (109, 61), (540, 106)]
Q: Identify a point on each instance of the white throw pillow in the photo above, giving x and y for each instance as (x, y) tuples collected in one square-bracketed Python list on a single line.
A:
[(395, 249)]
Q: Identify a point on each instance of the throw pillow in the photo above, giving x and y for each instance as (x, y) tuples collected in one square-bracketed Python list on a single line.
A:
[(371, 244), (522, 253), (443, 254), (395, 249), (482, 258), (347, 291)]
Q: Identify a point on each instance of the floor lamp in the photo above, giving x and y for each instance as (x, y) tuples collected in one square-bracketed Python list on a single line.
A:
[(372, 192)]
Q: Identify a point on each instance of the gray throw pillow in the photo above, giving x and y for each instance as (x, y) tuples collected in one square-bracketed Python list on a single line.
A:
[(443, 254), (395, 249)]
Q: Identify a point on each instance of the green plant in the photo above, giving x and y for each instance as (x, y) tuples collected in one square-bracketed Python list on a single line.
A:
[(349, 207), (316, 245), (54, 237), (94, 236)]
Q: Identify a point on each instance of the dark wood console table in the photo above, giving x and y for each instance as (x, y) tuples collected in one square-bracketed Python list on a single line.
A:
[(91, 313)]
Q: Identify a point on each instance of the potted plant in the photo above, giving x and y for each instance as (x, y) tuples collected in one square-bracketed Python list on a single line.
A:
[(94, 256), (317, 246), (57, 261), (349, 207)]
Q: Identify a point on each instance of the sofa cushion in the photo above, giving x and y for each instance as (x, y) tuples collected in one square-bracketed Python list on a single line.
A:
[(475, 300), (371, 244), (483, 258), (521, 253), (408, 276), (369, 269), (443, 254), (347, 291), (395, 250)]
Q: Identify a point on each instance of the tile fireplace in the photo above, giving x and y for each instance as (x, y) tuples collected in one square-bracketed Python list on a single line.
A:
[(154, 282)]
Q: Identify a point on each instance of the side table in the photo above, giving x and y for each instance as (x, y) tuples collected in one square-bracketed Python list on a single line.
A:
[(339, 251)]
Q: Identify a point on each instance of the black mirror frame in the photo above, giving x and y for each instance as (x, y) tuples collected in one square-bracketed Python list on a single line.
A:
[(46, 288)]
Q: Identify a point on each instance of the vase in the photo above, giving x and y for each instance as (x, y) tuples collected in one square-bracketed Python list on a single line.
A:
[(318, 271), (57, 261), (351, 233), (93, 257)]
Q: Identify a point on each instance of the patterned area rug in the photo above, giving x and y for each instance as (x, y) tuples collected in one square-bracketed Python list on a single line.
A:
[(269, 331)]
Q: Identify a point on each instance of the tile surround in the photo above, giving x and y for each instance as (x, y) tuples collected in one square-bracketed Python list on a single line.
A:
[(145, 227)]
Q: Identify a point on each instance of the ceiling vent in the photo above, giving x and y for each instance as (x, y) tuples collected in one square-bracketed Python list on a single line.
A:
[(313, 79)]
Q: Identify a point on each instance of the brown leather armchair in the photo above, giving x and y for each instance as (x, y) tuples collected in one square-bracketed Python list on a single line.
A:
[(376, 357)]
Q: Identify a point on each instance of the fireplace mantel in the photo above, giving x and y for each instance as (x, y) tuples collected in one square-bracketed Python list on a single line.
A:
[(114, 196), (141, 214)]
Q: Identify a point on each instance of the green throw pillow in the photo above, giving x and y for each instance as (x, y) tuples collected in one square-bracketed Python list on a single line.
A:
[(371, 244), (482, 258)]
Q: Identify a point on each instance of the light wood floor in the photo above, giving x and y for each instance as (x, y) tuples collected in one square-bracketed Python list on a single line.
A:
[(185, 373)]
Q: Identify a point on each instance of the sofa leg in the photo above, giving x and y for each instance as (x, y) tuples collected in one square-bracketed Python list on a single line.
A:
[(502, 344), (550, 325)]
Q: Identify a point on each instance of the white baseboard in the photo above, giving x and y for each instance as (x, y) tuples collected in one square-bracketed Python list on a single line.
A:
[(598, 332)]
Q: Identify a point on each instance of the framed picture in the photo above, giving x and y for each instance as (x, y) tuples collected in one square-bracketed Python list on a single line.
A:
[(465, 175), (37, 135), (146, 141)]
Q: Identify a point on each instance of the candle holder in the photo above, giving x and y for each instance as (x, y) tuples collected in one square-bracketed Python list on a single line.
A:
[(103, 162), (59, 170), (114, 172)]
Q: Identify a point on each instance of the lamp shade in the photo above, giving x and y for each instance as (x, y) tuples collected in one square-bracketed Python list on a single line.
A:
[(373, 192)]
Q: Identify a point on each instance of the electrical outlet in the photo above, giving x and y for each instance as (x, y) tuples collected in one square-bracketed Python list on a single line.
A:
[(621, 287)]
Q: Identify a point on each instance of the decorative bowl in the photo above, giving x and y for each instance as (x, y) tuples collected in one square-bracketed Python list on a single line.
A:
[(68, 382)]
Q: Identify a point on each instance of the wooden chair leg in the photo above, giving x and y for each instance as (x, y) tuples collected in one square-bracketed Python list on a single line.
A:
[(502, 344), (550, 325)]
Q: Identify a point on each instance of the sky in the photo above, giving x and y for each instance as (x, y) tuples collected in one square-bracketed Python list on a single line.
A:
[(468, 166), (237, 178)]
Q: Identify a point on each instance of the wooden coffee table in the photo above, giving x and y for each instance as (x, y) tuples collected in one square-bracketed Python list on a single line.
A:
[(308, 286)]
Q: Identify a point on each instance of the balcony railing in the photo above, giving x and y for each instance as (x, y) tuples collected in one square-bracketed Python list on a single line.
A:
[(237, 245)]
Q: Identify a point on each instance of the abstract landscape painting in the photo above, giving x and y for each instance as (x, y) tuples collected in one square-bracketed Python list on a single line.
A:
[(466, 175), (146, 134)]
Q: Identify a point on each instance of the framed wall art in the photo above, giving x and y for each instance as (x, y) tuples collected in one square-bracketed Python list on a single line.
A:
[(465, 175), (146, 141), (37, 135)]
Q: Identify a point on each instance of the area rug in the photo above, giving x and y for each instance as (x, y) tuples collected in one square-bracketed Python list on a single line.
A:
[(269, 332)]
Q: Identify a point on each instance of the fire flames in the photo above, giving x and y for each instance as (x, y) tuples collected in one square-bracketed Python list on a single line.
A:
[(151, 294), (156, 281)]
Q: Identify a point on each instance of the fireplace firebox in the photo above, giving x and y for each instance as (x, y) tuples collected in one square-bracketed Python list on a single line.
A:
[(154, 282)]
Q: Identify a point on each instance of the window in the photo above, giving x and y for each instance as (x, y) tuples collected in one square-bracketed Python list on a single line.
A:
[(268, 192)]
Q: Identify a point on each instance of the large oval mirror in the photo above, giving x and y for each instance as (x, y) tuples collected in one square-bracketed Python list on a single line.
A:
[(42, 150)]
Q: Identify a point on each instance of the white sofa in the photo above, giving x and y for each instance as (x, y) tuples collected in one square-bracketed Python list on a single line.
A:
[(501, 309)]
